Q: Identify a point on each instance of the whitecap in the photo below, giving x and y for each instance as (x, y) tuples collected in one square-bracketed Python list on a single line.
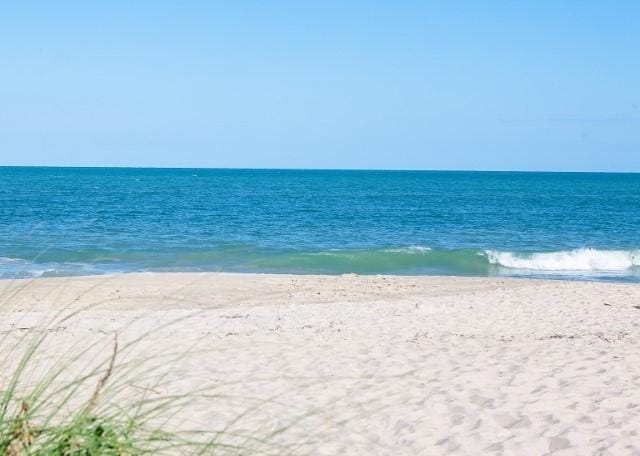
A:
[(584, 259), (409, 249)]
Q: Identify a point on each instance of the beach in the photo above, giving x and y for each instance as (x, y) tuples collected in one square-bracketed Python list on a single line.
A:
[(353, 364), (319, 229)]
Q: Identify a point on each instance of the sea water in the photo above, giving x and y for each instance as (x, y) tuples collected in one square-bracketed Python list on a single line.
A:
[(77, 221)]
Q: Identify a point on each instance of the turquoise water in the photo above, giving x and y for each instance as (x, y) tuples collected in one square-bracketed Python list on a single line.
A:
[(70, 221)]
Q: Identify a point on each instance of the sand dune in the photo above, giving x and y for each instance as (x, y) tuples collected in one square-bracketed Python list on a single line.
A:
[(374, 365)]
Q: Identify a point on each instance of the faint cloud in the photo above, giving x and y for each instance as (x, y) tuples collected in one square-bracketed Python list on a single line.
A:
[(575, 120), (589, 119)]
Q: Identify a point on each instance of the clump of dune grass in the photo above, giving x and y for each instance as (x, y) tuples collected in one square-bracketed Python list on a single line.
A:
[(83, 435), (83, 405), (44, 420)]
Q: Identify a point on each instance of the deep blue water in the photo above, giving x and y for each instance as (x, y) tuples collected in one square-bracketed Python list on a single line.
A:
[(68, 221)]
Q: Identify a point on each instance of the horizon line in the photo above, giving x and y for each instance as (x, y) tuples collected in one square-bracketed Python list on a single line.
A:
[(425, 170)]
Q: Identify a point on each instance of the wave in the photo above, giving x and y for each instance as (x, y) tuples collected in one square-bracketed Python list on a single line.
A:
[(23, 268), (414, 260), (585, 259), (410, 249), (8, 260)]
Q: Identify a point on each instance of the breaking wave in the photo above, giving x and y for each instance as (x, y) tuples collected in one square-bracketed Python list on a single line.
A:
[(585, 259)]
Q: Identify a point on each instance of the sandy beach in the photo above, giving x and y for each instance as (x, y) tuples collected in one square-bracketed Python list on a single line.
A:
[(368, 364)]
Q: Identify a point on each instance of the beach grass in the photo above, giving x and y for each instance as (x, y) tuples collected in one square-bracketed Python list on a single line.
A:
[(88, 401), (51, 412)]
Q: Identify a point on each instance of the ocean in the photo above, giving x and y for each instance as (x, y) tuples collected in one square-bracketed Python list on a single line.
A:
[(80, 221)]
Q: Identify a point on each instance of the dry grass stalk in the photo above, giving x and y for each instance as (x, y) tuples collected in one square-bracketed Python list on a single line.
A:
[(103, 380), (23, 434)]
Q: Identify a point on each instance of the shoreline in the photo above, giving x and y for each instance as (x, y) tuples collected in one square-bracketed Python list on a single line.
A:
[(407, 364), (534, 277)]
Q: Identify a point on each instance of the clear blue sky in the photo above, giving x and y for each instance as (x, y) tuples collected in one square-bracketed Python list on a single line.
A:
[(330, 84)]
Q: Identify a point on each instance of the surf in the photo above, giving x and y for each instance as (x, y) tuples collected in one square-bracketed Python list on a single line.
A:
[(582, 259), (394, 260)]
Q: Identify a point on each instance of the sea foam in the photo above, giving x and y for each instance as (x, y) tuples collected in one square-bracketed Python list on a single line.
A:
[(585, 259), (412, 249)]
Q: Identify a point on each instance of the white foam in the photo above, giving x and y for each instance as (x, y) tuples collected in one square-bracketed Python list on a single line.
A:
[(409, 249), (585, 259), (7, 260)]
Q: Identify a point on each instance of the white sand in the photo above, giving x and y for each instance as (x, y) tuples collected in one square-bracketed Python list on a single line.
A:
[(382, 365)]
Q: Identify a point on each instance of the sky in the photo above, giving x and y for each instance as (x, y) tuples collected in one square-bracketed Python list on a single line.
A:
[(493, 85)]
